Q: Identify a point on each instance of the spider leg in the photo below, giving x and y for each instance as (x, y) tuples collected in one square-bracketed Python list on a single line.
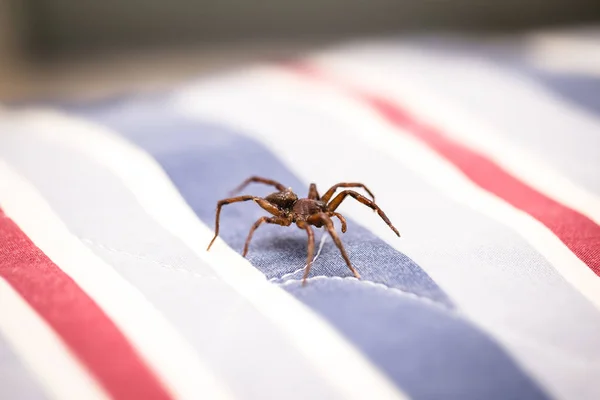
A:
[(342, 220), (313, 194), (258, 179), (328, 194), (326, 220), (269, 220), (261, 202), (310, 252), (335, 203)]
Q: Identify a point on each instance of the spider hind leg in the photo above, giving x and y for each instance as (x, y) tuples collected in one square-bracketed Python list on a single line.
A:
[(269, 220), (261, 202)]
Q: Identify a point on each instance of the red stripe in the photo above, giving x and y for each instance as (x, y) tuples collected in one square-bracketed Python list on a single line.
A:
[(76, 318), (579, 233)]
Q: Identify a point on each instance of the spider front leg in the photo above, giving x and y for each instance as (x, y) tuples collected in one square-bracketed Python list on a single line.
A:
[(261, 202), (269, 220), (324, 219), (258, 179), (335, 187), (335, 203)]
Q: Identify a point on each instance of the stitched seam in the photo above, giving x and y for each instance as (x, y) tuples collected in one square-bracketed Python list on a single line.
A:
[(397, 291), (143, 258), (284, 276)]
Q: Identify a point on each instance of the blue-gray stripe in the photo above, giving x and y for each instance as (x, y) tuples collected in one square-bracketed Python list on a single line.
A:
[(425, 339)]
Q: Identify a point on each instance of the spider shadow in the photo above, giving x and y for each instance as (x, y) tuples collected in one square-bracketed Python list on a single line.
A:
[(281, 252), (294, 242)]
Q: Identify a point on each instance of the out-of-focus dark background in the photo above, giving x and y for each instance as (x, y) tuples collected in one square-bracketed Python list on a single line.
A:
[(52, 47)]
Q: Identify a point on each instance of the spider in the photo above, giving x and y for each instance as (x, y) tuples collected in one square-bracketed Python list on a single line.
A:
[(315, 210)]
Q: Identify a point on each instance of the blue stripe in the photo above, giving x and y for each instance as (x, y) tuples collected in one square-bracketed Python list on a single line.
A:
[(430, 354), (428, 349), (582, 90)]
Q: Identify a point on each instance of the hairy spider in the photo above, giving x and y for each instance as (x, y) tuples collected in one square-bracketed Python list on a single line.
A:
[(315, 210)]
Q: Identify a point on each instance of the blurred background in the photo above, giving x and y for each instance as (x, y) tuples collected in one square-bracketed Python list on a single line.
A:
[(95, 47)]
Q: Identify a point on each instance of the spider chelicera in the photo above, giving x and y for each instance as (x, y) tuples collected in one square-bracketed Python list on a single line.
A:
[(315, 210)]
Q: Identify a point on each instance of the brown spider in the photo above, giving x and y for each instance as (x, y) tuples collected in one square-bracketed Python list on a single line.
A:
[(314, 210)]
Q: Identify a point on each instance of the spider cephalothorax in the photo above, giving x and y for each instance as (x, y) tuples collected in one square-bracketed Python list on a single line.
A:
[(315, 210)]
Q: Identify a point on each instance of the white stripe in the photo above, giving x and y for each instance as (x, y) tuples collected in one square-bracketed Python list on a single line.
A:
[(376, 132), (165, 351), (42, 351), (337, 360), (458, 123)]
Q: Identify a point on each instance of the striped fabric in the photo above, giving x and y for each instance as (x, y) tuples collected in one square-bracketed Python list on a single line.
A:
[(485, 156)]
